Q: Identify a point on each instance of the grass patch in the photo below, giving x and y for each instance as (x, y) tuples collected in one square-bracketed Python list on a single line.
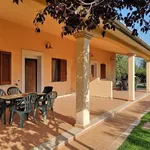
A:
[(142, 86), (139, 139)]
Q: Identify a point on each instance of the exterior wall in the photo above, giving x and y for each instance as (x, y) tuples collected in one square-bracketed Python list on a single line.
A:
[(100, 57), (15, 38), (101, 88), (104, 57)]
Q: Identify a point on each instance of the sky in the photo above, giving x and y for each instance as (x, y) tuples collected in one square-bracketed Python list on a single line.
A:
[(145, 37)]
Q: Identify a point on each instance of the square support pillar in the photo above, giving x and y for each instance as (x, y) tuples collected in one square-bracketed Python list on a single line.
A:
[(113, 70), (148, 76), (131, 77), (82, 79)]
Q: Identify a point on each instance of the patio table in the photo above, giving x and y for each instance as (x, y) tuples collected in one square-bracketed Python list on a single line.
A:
[(12, 98), (17, 96)]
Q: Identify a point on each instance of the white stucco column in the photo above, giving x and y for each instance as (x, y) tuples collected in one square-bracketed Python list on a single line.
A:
[(82, 78), (148, 75), (131, 77), (113, 70)]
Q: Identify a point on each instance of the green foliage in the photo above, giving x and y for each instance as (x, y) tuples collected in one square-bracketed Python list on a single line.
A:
[(121, 66), (141, 70), (139, 139), (78, 15), (143, 63)]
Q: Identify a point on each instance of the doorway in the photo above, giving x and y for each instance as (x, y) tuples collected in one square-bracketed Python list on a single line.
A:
[(94, 69), (103, 71), (30, 75)]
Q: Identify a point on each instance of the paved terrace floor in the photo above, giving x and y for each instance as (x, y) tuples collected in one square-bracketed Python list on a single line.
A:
[(35, 133), (106, 135)]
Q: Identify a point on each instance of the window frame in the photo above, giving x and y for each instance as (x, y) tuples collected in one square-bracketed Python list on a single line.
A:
[(60, 71), (94, 69)]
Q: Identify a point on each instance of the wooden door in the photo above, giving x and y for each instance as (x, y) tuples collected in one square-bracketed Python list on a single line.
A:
[(103, 71), (92, 70), (30, 75)]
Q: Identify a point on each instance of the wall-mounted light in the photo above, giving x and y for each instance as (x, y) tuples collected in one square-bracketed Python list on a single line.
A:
[(91, 55), (112, 58), (48, 45)]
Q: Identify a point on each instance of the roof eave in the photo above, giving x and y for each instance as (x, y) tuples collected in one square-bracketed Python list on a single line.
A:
[(122, 28)]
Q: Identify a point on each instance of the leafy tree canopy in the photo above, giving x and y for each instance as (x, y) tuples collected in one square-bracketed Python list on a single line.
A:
[(121, 66), (141, 70), (77, 15), (143, 63)]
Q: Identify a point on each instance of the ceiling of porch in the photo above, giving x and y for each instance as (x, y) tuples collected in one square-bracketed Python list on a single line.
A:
[(24, 15)]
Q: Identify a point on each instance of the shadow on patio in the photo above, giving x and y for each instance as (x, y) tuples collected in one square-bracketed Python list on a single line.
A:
[(118, 124), (104, 135), (35, 133)]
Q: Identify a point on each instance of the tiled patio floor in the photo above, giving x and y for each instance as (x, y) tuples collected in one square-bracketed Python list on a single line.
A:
[(105, 136), (124, 94), (33, 134)]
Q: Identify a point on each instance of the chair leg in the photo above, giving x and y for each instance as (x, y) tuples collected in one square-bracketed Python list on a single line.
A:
[(44, 114), (21, 120), (26, 116), (1, 112), (35, 109), (11, 116), (5, 116), (53, 114), (34, 113)]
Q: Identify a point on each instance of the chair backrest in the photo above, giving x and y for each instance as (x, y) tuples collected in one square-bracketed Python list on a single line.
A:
[(13, 90), (28, 101), (50, 98), (33, 97), (2, 92), (47, 89)]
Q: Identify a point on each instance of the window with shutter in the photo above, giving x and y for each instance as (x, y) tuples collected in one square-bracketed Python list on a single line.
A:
[(63, 69), (59, 70), (55, 70), (5, 68)]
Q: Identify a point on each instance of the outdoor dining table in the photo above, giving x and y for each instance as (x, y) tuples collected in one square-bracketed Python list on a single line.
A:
[(12, 98), (17, 96)]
